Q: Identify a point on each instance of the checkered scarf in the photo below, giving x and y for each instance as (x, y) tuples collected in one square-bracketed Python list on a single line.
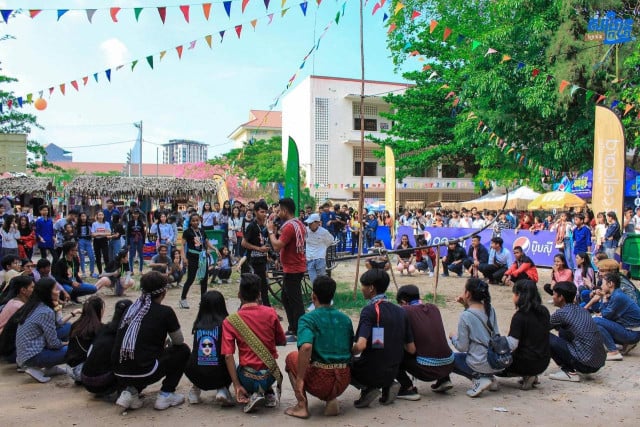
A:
[(132, 320)]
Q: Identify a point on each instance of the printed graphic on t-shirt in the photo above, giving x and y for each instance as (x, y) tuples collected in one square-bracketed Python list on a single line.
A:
[(207, 351)]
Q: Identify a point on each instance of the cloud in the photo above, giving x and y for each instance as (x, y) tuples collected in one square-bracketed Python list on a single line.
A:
[(115, 52)]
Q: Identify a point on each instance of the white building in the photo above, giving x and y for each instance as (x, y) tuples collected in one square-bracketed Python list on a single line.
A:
[(179, 151), (322, 114)]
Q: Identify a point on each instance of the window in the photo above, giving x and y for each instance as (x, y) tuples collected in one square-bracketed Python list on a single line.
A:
[(370, 168), (369, 124), (321, 170), (370, 113), (450, 171), (322, 119)]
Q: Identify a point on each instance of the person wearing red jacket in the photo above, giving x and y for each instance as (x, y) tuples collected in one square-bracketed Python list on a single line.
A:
[(522, 268)]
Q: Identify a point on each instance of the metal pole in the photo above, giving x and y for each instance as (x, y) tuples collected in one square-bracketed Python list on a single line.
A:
[(157, 154), (140, 141)]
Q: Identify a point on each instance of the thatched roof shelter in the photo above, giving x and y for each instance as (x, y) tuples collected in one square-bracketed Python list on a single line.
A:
[(26, 185), (116, 186)]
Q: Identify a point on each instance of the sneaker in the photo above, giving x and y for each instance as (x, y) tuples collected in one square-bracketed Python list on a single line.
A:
[(389, 394), (253, 401), (410, 393), (614, 356), (291, 339), (184, 303), (223, 397), (627, 348), (527, 382), (37, 375), (431, 274), (536, 380), (495, 385), (167, 400), (95, 275), (55, 371), (194, 395), (566, 376), (442, 385), (225, 281), (129, 399), (444, 275), (75, 374), (478, 386), (367, 396), (20, 369), (270, 400)]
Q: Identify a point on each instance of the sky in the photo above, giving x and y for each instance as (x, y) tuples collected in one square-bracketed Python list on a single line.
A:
[(204, 96)]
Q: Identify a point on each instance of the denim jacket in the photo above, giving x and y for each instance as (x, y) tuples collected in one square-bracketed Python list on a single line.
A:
[(622, 309)]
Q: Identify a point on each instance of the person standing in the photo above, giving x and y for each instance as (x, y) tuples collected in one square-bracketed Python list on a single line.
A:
[(317, 242), (255, 242), (194, 250), (110, 210), (45, 235), (10, 235), (136, 232), (291, 245), (85, 247), (581, 236), (612, 235), (100, 231)]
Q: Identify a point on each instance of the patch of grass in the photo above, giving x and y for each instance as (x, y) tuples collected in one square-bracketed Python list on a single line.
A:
[(344, 300)]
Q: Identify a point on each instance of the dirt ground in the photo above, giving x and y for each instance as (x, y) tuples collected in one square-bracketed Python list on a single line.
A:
[(610, 397)]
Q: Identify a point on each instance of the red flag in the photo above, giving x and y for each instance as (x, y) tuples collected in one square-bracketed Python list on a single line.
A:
[(206, 9), (74, 83), (563, 85), (415, 14), (34, 12), (179, 50), (244, 4), (600, 99), (391, 28), (238, 30), (447, 33), (62, 88), (85, 80), (375, 8), (535, 72), (114, 13), (426, 67), (185, 11), (163, 13)]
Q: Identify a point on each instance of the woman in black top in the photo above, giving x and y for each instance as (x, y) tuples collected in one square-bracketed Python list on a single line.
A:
[(135, 238), (83, 231), (528, 335), (83, 332), (194, 247), (405, 256)]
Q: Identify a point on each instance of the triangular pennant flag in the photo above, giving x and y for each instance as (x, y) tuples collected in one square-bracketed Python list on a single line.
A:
[(244, 5), (119, 67), (185, 11), (238, 30), (10, 103), (162, 54), (221, 35), (74, 83), (179, 50), (150, 61), (385, 17), (266, 4), (589, 95), (535, 72), (337, 18), (456, 101), (615, 103), (62, 12), (270, 16), (415, 14), (137, 11), (392, 27), (284, 12), (85, 80), (432, 75), (490, 51), (398, 8), (574, 88), (415, 53), (95, 77), (563, 85), (227, 7), (206, 10), (254, 22), (303, 6), (447, 33), (549, 77), (282, 4), (505, 58), (208, 39), (29, 98), (90, 13), (627, 109), (450, 94), (51, 89), (407, 46), (6, 13), (34, 12), (108, 74), (162, 10), (19, 99), (520, 65), (432, 25), (133, 64), (475, 44), (114, 13), (62, 88), (426, 67), (192, 44), (376, 7)]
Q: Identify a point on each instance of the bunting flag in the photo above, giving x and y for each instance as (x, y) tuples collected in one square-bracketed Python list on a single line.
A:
[(447, 33), (85, 80), (185, 12), (563, 85), (227, 8), (376, 7), (254, 22), (34, 12), (62, 88), (150, 61), (6, 13), (303, 6), (490, 51), (244, 4), (114, 13), (90, 13), (61, 12), (415, 14), (74, 83), (108, 74), (163, 13), (137, 11), (133, 64), (179, 50), (432, 26), (270, 18), (221, 35), (206, 10), (398, 8), (505, 58), (238, 30), (266, 4), (208, 40), (392, 27), (162, 54)]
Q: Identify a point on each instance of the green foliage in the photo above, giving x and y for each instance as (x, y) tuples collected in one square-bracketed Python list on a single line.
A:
[(552, 130), (261, 160)]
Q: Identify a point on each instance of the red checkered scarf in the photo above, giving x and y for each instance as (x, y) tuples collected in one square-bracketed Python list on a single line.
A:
[(300, 231)]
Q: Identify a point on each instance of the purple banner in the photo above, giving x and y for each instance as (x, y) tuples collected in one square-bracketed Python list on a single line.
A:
[(540, 246)]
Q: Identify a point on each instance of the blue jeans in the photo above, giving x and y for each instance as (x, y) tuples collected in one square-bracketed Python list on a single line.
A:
[(456, 268), (114, 247), (82, 290), (460, 367), (316, 267), (133, 248), (425, 264), (63, 331), (568, 253), (255, 381), (559, 347), (614, 333), (342, 241), (85, 247), (47, 358)]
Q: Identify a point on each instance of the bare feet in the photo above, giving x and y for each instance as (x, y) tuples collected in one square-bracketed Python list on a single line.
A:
[(298, 411), (332, 408)]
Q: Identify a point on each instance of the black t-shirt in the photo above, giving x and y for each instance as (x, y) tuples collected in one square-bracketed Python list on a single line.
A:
[(257, 236), (196, 240), (98, 360), (532, 332), (404, 254), (159, 321), (339, 226)]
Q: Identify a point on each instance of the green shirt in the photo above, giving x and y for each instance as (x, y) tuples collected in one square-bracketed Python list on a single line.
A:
[(330, 332)]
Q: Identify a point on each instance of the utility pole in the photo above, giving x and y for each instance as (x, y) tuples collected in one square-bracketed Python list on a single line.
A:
[(139, 126)]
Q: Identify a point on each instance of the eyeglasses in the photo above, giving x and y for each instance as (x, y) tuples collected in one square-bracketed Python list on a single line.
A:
[(207, 345)]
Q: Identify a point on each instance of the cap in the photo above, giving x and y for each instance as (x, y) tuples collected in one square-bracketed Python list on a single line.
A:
[(608, 265), (313, 218)]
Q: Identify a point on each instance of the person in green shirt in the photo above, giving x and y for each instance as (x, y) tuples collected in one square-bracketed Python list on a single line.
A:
[(320, 366)]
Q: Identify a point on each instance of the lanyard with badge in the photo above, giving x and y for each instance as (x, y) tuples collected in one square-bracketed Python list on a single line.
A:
[(377, 332)]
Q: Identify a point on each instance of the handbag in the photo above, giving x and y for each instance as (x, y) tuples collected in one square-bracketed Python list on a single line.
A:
[(499, 353)]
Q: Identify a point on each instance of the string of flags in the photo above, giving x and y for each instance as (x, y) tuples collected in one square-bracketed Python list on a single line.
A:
[(37, 97), (116, 13)]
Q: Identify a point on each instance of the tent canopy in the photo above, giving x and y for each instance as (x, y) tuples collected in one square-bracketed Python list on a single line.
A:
[(517, 199), (116, 186), (557, 200)]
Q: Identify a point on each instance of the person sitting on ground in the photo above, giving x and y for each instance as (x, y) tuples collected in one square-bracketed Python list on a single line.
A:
[(140, 356), (382, 336), (476, 256), (528, 335), (83, 332), (20, 290), (67, 273), (559, 273), (116, 275), (454, 259), (161, 262), (523, 268), (584, 276), (433, 359), (578, 347), (206, 368), (178, 269), (500, 259), (10, 269), (97, 372), (321, 364), (619, 320), (380, 261), (425, 258), (405, 256), (42, 270), (472, 339), (39, 343), (256, 331), (223, 267)]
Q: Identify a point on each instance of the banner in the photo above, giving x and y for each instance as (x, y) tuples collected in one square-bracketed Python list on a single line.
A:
[(540, 246), (608, 163), (390, 178), (292, 174)]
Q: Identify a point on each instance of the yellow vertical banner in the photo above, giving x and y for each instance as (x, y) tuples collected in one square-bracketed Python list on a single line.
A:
[(608, 163), (223, 192), (390, 183)]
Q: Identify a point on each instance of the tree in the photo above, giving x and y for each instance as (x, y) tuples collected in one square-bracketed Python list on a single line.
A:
[(260, 160), (488, 98)]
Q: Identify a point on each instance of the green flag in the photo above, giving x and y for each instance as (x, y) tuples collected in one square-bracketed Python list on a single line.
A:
[(292, 174)]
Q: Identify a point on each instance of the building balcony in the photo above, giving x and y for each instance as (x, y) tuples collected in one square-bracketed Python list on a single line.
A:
[(353, 137)]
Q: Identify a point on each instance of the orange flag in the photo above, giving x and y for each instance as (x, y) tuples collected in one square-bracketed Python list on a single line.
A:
[(61, 88), (600, 99), (114, 13), (206, 9), (85, 80), (627, 109), (185, 12), (563, 85), (391, 28), (244, 5), (432, 25), (179, 49), (254, 22), (34, 12), (447, 33)]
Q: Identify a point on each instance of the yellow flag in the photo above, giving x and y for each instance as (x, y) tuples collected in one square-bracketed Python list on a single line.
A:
[(398, 8)]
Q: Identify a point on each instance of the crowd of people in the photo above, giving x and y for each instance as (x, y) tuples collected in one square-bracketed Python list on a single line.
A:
[(597, 317)]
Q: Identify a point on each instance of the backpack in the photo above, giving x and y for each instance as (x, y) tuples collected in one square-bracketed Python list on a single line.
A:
[(630, 289), (498, 352)]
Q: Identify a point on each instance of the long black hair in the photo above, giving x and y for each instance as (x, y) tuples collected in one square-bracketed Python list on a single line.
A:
[(15, 285), (41, 295), (90, 321), (479, 291), (586, 263), (528, 297), (213, 310), (119, 310), (8, 220)]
